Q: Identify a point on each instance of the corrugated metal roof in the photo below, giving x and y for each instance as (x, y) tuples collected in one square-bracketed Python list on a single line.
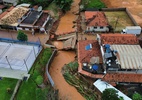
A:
[(130, 56)]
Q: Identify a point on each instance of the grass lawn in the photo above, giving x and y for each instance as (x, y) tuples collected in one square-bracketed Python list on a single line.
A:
[(6, 83), (54, 9), (123, 20), (93, 4), (29, 89)]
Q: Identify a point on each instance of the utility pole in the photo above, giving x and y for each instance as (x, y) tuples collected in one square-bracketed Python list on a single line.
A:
[(116, 23)]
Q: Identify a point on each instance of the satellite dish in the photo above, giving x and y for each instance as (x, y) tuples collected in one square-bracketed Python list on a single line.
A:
[(39, 8)]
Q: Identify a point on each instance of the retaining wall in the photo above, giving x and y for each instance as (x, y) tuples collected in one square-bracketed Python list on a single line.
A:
[(48, 66)]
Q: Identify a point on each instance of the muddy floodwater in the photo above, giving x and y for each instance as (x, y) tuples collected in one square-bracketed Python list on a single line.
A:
[(66, 91)]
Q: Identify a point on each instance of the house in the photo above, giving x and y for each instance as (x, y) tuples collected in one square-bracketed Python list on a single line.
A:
[(102, 85), (125, 51), (120, 58), (35, 21), (89, 50), (10, 17), (96, 21)]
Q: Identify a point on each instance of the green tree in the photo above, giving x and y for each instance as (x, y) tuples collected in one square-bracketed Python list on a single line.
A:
[(43, 3), (136, 96), (64, 5), (22, 36), (110, 94)]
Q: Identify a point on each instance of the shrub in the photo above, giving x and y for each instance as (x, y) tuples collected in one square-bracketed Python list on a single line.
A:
[(22, 36), (137, 96), (39, 80)]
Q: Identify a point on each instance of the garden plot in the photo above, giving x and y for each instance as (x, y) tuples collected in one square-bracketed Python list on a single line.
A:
[(118, 20)]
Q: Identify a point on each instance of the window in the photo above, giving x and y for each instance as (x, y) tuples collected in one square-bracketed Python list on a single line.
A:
[(101, 27), (95, 27)]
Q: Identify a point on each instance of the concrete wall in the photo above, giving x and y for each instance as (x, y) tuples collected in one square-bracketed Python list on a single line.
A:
[(48, 66), (122, 9)]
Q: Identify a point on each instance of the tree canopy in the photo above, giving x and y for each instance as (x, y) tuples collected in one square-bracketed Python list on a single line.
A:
[(43, 3), (110, 94), (64, 5), (22, 36), (137, 96)]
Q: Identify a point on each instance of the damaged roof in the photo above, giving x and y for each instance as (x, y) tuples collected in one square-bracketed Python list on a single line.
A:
[(85, 55), (95, 18)]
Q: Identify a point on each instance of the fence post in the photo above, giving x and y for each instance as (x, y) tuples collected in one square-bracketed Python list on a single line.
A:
[(8, 62), (34, 52), (26, 65)]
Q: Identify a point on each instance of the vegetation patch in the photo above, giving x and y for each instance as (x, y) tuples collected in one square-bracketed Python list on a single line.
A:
[(53, 10), (7, 86), (83, 86), (93, 4), (118, 20), (34, 88)]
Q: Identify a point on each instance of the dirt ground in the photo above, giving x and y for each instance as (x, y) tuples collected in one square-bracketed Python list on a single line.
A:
[(66, 23), (66, 91), (134, 6), (31, 38)]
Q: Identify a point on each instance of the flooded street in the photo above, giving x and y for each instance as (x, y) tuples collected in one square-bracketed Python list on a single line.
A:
[(66, 91)]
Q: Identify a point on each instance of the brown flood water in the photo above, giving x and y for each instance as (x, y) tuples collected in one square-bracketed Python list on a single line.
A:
[(66, 91)]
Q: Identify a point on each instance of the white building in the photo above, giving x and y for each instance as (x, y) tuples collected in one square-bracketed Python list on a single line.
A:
[(102, 85), (96, 21)]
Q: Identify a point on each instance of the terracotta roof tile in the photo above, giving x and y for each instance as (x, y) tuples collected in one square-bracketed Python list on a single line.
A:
[(3, 14), (95, 18), (119, 39), (10, 8), (123, 77), (85, 55)]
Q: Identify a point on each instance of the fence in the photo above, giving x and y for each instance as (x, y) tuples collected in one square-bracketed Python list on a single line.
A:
[(47, 67), (122, 9), (19, 42)]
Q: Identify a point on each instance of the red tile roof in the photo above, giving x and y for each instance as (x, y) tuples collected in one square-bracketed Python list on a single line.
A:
[(85, 55), (7, 11), (119, 39), (123, 77), (10, 8), (42, 19), (95, 18)]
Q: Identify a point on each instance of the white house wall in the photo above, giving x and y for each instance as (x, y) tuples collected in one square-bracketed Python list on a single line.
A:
[(98, 29), (46, 21)]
